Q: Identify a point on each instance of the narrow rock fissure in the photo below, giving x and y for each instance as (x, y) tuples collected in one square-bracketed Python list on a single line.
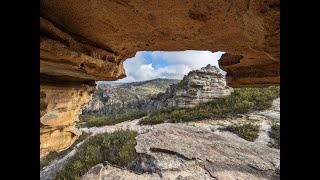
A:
[(170, 152)]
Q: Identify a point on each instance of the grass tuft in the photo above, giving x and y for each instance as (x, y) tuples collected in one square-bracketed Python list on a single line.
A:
[(246, 131), (274, 133), (92, 121)]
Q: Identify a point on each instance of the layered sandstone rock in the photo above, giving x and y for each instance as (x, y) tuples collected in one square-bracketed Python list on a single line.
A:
[(198, 86), (251, 74), (59, 108), (203, 85), (91, 39), (85, 41)]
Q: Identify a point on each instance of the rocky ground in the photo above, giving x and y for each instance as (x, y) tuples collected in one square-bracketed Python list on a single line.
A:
[(194, 150)]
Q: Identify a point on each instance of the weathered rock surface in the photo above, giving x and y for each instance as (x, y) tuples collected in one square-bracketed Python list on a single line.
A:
[(109, 172), (85, 41), (59, 108), (90, 39), (198, 86), (185, 152), (94, 105)]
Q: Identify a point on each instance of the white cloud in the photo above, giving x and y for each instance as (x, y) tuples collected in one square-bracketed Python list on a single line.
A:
[(196, 59), (174, 65)]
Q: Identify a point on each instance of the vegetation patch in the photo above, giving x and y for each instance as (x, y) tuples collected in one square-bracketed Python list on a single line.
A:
[(157, 96), (183, 84), (117, 148), (246, 131), (57, 155), (91, 121), (241, 101), (157, 117), (274, 133), (98, 94)]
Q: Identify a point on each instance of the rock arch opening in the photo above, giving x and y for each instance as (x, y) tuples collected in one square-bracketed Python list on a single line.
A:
[(147, 65), (151, 76)]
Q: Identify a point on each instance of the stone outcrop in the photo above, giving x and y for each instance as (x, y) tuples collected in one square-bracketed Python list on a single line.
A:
[(85, 41), (203, 85), (59, 108), (198, 86), (179, 151), (94, 106), (250, 75)]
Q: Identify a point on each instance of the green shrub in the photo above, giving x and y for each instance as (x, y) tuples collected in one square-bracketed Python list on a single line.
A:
[(98, 94), (91, 121), (183, 84), (117, 148), (157, 96), (243, 106), (157, 117), (274, 133), (45, 161), (152, 121), (246, 131), (242, 100)]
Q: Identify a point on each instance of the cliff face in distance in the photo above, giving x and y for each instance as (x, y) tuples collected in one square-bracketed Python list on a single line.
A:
[(86, 41), (124, 98), (198, 86)]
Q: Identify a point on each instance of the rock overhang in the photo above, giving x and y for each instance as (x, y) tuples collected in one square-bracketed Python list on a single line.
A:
[(86, 41), (91, 39)]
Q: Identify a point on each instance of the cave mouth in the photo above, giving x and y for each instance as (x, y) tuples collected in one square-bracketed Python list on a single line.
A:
[(148, 65)]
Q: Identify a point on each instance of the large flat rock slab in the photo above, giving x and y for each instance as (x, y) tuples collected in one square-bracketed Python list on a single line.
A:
[(180, 151)]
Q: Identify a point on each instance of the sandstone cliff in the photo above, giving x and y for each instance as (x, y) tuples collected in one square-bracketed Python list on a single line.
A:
[(203, 85), (85, 41), (90, 39), (59, 108)]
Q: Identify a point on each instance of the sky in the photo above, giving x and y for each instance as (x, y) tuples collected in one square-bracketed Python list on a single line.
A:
[(148, 65)]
